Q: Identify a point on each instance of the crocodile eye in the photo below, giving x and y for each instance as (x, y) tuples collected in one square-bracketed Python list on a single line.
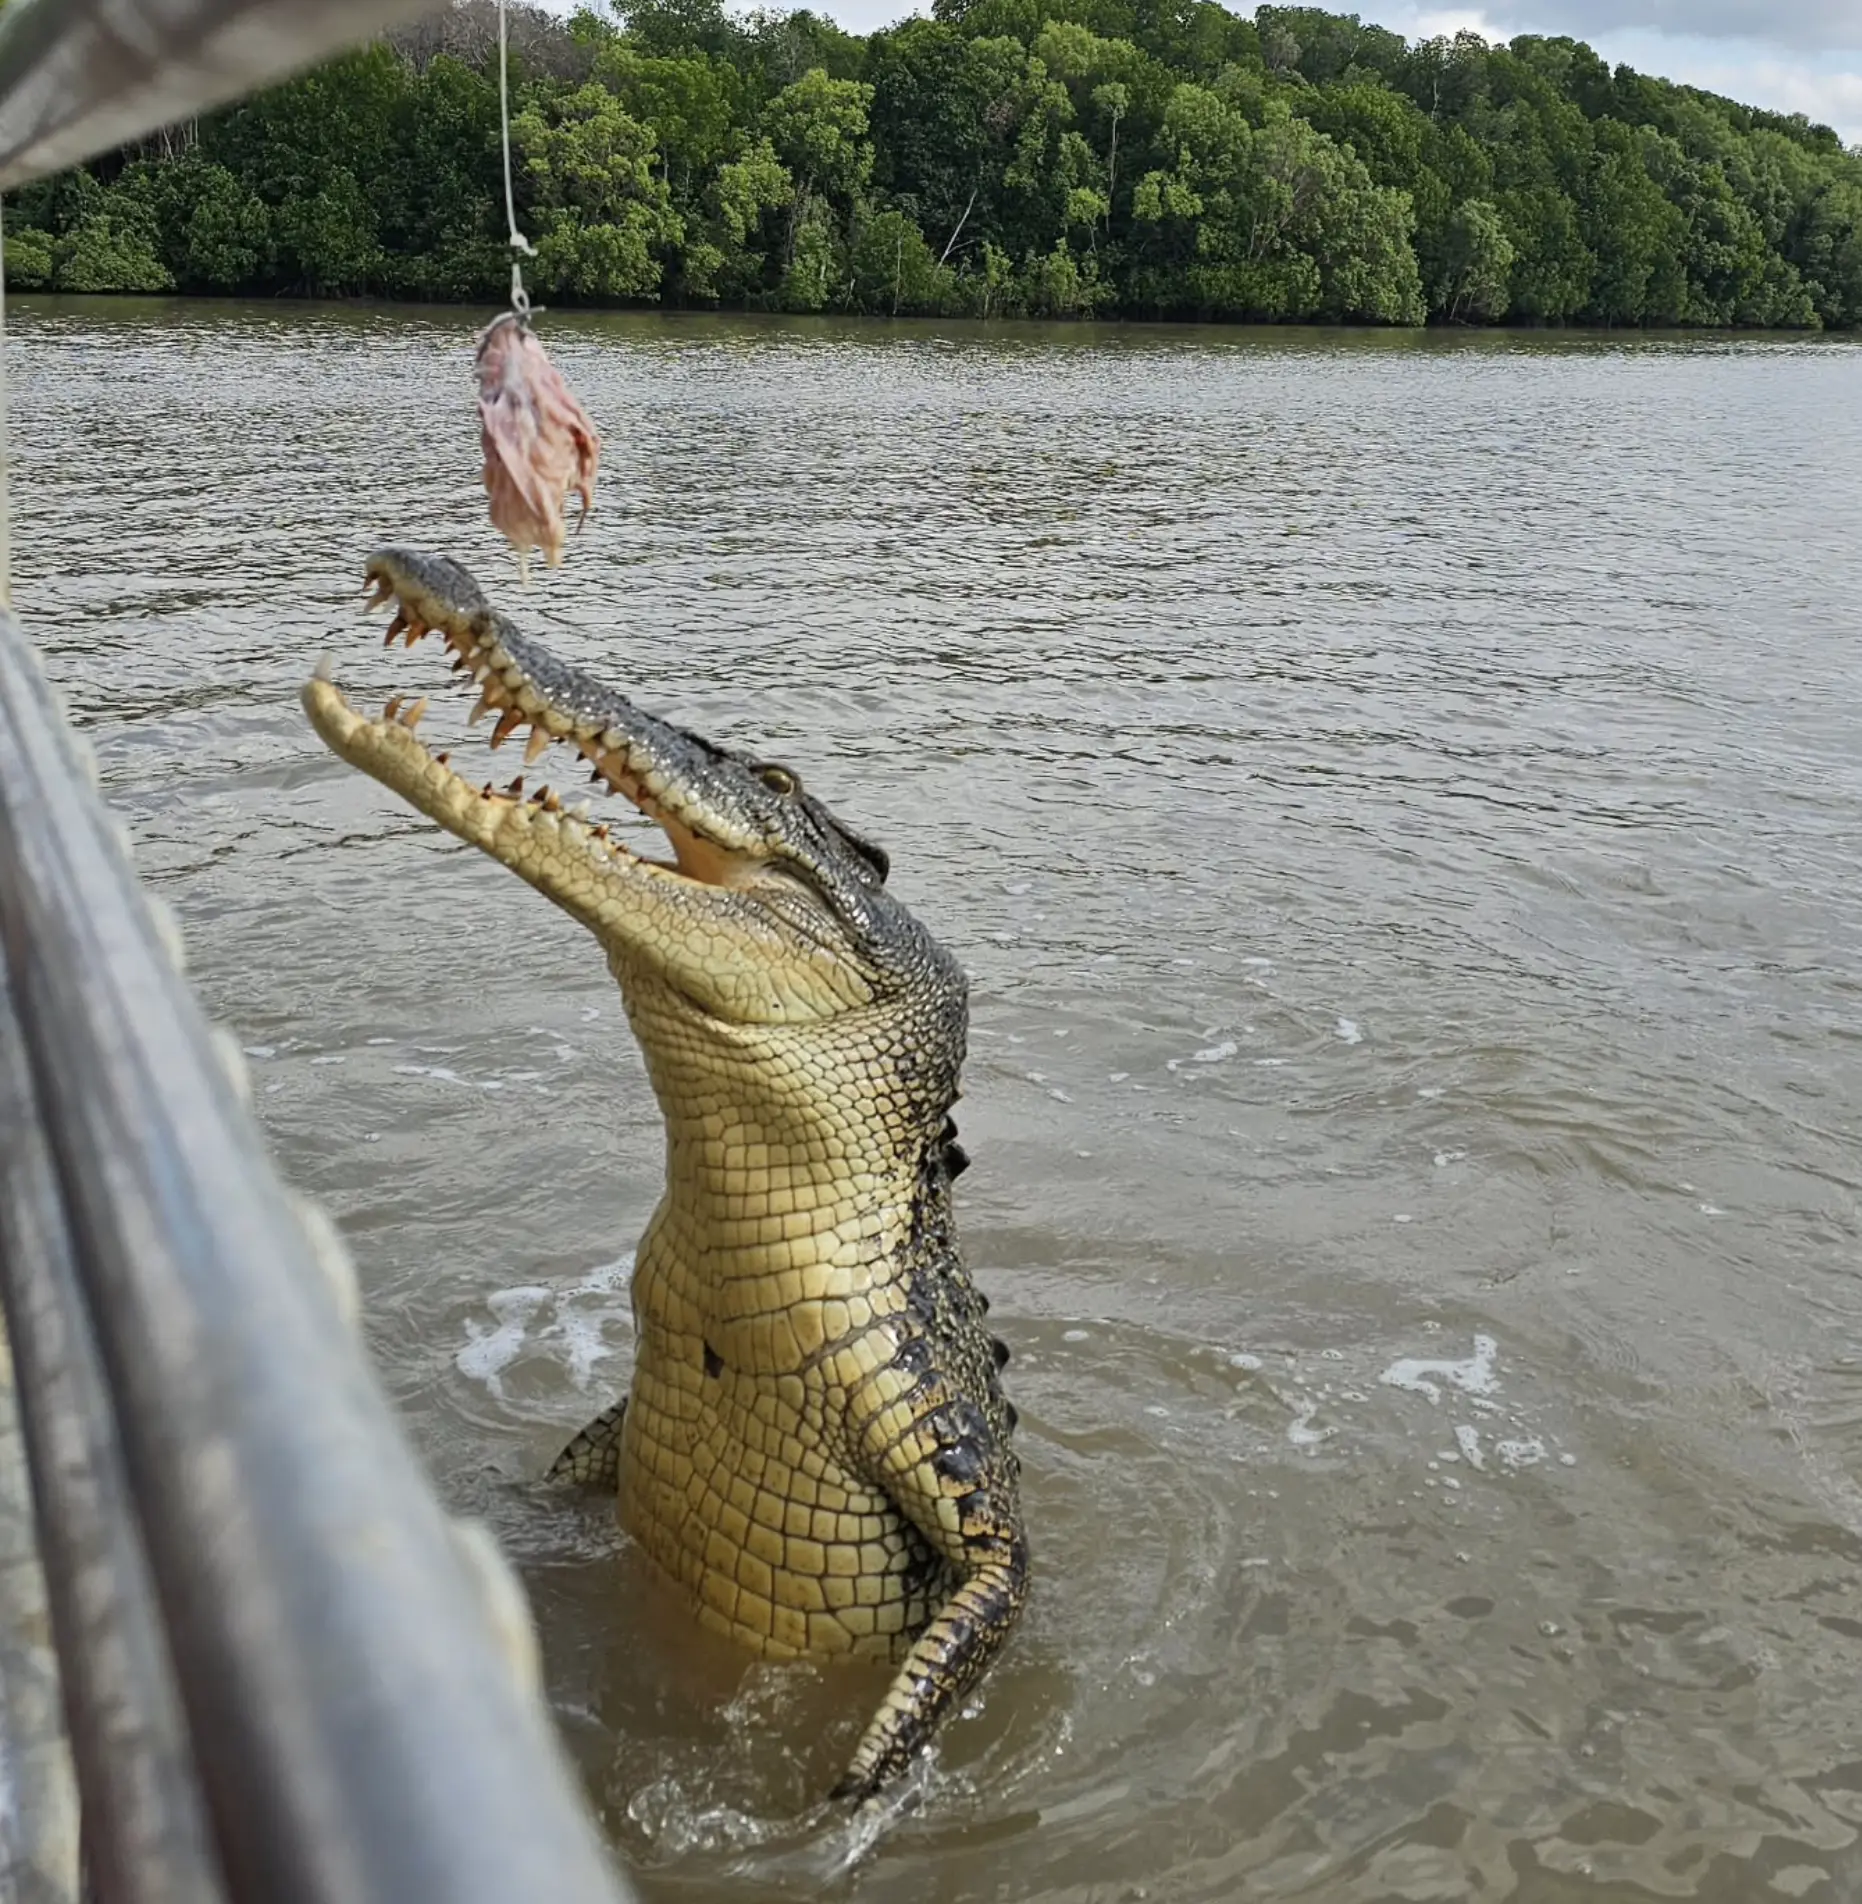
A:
[(779, 779)]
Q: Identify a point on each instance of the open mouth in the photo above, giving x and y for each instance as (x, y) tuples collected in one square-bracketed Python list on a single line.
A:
[(524, 687)]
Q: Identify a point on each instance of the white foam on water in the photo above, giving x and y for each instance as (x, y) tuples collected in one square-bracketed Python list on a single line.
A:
[(489, 1352), (557, 1323), (1468, 1439), (1349, 1032), (1300, 1430), (1475, 1376), (444, 1075), (1215, 1054), (1520, 1454)]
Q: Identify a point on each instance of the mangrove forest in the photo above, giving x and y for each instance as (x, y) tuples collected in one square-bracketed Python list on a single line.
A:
[(1043, 158)]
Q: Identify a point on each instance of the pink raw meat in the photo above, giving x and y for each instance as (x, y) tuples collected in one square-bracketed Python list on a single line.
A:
[(539, 443)]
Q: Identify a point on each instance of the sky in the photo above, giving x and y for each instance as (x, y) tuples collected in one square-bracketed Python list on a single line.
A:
[(1790, 55)]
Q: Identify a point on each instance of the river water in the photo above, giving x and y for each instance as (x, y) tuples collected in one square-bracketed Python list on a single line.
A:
[(1398, 798)]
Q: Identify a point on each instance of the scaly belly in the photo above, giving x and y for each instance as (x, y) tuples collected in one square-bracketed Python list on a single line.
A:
[(736, 1492)]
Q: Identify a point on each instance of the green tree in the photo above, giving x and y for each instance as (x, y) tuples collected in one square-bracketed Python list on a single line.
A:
[(113, 248), (894, 271), (28, 258), (602, 212), (1476, 265)]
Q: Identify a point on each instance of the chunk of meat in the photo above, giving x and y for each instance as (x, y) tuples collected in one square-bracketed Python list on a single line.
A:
[(539, 442)]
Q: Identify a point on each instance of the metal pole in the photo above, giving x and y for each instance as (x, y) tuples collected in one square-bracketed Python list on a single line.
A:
[(361, 1733), (79, 77), (145, 1835)]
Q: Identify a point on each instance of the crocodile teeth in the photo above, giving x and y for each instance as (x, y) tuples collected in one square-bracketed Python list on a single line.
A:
[(540, 738), (411, 719), (508, 724), (516, 787), (485, 705), (397, 626), (415, 629), (393, 708)]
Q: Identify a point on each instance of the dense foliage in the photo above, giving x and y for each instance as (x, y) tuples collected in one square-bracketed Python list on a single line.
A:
[(1055, 158)]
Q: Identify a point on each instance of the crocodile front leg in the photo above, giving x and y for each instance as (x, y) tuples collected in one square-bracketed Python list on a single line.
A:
[(937, 1458)]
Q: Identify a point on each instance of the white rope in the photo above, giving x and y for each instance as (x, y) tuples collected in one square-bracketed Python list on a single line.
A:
[(520, 298)]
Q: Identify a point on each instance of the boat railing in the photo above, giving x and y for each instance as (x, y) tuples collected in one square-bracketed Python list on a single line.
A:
[(246, 1655)]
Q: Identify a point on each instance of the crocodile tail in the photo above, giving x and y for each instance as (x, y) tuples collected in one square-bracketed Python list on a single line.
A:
[(946, 1661), (593, 1458)]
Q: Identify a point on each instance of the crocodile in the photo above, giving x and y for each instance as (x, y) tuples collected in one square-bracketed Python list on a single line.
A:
[(816, 1445)]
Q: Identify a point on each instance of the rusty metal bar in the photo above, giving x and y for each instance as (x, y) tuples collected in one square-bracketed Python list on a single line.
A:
[(363, 1729), (147, 1837), (78, 77)]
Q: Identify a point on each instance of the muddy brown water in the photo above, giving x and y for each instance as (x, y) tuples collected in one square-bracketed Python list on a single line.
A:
[(1399, 799)]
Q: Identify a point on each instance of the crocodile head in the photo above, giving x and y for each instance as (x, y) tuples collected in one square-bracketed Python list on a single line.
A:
[(767, 940)]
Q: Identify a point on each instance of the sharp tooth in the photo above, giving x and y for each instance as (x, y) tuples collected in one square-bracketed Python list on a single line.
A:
[(540, 738), (516, 787), (480, 668), (387, 640), (442, 759), (415, 629), (484, 792), (551, 801), (326, 668), (412, 717), (392, 709), (601, 832), (401, 619), (541, 797), (461, 663), (485, 705), (508, 724)]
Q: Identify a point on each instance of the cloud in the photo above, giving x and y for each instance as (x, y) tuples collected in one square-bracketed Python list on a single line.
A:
[(1769, 68), (1808, 26)]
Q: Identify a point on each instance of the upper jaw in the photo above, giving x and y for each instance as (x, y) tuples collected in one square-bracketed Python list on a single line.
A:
[(673, 777)]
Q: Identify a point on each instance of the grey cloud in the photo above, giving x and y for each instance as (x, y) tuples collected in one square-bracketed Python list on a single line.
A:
[(1811, 26)]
